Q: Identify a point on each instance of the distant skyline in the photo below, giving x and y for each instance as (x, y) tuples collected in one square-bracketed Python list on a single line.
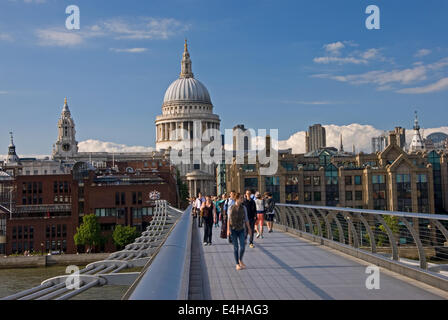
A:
[(266, 64)]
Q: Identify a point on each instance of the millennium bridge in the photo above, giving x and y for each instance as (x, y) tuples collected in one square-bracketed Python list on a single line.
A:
[(313, 253)]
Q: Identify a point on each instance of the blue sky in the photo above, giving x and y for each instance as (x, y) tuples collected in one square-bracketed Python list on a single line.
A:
[(267, 64)]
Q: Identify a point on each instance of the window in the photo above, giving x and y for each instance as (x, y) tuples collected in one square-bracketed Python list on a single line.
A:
[(59, 231), (117, 198), (64, 231), (358, 180), (123, 198), (292, 189), (140, 198), (196, 166), (48, 231), (358, 195), (348, 180), (307, 196), (19, 232), (317, 196), (316, 181), (348, 195), (14, 233), (53, 231), (25, 232), (31, 232), (404, 192), (307, 181), (272, 185), (134, 198)]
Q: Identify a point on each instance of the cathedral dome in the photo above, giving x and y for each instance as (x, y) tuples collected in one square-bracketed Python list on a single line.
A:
[(187, 89)]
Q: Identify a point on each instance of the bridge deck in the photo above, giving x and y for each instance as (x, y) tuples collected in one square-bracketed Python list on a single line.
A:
[(282, 266)]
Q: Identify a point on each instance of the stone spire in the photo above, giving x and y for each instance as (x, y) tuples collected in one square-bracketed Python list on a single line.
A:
[(341, 146), (417, 141), (186, 71), (12, 156), (65, 108), (66, 145)]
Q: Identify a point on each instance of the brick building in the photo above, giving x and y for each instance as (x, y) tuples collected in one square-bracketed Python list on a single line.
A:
[(47, 209)]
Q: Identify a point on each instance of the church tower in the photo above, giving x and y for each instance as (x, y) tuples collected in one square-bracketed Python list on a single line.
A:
[(417, 141), (66, 146)]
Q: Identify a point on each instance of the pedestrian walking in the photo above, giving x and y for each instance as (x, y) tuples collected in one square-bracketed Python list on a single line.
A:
[(270, 206), (260, 207), (223, 216), (251, 215), (198, 204), (237, 219), (208, 212), (216, 201), (227, 205), (193, 209)]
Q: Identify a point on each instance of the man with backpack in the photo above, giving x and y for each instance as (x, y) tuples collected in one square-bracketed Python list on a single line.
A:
[(270, 206)]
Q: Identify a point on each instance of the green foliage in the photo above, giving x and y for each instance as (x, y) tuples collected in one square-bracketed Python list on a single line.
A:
[(89, 232), (183, 190), (124, 235), (392, 222)]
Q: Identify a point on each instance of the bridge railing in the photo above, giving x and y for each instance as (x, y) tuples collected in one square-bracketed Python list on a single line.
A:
[(110, 271), (414, 239), (166, 276)]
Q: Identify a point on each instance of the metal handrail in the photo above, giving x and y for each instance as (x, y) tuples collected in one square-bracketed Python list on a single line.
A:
[(166, 276), (287, 215), (370, 211)]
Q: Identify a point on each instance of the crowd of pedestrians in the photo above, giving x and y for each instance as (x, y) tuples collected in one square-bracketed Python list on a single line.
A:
[(241, 215)]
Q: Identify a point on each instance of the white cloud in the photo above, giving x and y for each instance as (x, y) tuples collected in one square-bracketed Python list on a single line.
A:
[(117, 28), (334, 47), (5, 37), (422, 52), (327, 60), (144, 28), (59, 37), (92, 145), (440, 85), (130, 50), (381, 77), (352, 134)]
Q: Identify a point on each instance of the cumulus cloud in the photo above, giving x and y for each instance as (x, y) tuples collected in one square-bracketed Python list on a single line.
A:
[(355, 134), (92, 145), (334, 47), (352, 134)]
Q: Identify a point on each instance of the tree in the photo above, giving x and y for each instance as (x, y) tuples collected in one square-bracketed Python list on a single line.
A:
[(183, 190), (89, 232), (124, 235)]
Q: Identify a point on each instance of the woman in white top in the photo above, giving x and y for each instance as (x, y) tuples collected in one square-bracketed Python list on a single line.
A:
[(260, 204)]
